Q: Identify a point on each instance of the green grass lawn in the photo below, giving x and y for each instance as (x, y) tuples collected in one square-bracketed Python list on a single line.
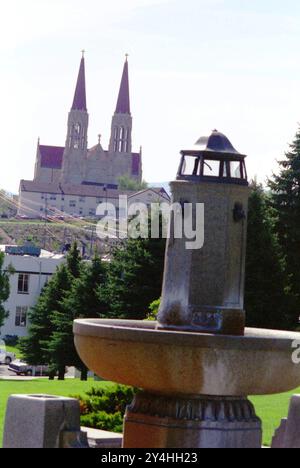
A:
[(271, 409), (64, 388)]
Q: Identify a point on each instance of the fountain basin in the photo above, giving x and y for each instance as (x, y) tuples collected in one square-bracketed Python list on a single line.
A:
[(135, 353)]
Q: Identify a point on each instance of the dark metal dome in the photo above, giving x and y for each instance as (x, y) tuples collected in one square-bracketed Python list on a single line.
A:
[(213, 159), (217, 143)]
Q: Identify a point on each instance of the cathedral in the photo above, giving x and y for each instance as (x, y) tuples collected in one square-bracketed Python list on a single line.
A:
[(75, 163), (74, 179)]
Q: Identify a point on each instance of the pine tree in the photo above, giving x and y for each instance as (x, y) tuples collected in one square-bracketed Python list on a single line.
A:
[(285, 200), (268, 303), (60, 345), (134, 278), (4, 290), (35, 348), (74, 261), (83, 301)]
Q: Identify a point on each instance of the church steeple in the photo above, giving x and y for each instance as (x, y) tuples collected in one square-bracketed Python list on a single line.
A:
[(120, 140), (79, 102), (123, 104), (74, 160)]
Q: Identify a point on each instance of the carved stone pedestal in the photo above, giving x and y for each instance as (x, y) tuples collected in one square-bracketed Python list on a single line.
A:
[(154, 421)]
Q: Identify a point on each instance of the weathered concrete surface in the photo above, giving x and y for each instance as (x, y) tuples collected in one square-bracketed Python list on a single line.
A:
[(170, 362), (204, 288), (288, 434), (279, 436), (39, 421), (205, 422), (102, 439)]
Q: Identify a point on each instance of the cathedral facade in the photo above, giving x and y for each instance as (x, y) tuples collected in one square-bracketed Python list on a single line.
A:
[(77, 164), (74, 179)]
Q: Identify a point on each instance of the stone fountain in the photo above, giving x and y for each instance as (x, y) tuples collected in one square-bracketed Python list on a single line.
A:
[(198, 365)]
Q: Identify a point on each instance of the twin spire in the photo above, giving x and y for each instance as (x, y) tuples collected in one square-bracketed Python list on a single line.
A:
[(123, 104), (79, 102)]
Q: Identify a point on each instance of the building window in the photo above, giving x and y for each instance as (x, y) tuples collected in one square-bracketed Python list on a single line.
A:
[(72, 204), (92, 212), (82, 200), (23, 283), (21, 317)]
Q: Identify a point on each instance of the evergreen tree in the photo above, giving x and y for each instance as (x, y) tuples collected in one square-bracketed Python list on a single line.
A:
[(127, 183), (134, 278), (268, 303), (285, 200), (4, 290), (74, 261), (61, 340), (83, 301), (35, 348)]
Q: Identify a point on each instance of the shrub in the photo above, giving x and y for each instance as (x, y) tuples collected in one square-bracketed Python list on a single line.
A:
[(103, 421), (105, 408), (154, 308)]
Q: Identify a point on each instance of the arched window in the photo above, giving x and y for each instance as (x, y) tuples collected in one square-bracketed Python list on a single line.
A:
[(116, 139), (76, 136)]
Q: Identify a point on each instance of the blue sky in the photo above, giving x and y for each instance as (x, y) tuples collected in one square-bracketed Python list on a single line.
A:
[(195, 65)]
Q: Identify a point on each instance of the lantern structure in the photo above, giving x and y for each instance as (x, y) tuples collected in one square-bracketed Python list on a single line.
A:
[(204, 288)]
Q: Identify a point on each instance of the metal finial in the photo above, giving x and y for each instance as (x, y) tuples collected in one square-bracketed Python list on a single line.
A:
[(83, 52), (99, 138), (126, 55)]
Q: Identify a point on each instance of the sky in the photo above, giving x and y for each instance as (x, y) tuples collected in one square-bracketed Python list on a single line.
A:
[(195, 66)]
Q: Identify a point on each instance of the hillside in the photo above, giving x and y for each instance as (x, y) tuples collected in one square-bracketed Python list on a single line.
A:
[(53, 236)]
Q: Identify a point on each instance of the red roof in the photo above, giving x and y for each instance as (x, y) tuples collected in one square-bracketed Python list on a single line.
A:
[(51, 156)]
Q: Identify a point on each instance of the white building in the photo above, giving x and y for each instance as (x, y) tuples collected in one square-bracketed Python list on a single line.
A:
[(39, 200), (26, 283)]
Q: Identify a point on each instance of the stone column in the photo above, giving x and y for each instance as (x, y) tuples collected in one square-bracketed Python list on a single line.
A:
[(204, 289), (154, 421)]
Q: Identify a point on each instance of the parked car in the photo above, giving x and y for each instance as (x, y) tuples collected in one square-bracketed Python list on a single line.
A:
[(21, 368), (6, 357)]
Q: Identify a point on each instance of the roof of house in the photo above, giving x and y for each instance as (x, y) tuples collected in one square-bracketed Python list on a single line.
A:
[(83, 190), (71, 189), (157, 190)]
